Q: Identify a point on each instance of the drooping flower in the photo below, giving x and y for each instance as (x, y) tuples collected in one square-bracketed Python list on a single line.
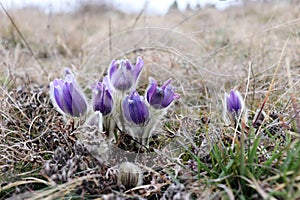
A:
[(234, 102), (135, 109), (160, 97), (102, 99), (122, 75), (68, 97)]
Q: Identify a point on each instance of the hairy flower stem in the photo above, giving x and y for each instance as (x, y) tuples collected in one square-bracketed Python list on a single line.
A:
[(242, 156), (76, 121), (144, 132), (108, 126), (117, 116), (141, 134)]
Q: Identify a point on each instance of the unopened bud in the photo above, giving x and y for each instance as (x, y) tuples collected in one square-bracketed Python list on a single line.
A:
[(130, 175)]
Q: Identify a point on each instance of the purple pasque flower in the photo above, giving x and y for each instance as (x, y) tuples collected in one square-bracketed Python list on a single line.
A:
[(234, 102), (102, 98), (68, 97), (122, 75), (135, 109), (160, 97)]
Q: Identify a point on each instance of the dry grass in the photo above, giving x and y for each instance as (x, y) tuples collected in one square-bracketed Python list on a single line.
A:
[(205, 52)]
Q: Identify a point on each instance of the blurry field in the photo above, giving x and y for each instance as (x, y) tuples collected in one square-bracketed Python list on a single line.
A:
[(254, 49)]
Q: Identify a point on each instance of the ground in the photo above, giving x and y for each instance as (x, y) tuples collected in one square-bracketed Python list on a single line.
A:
[(198, 151)]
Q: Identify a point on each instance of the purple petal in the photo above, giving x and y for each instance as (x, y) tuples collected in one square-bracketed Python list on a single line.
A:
[(138, 67), (139, 62), (112, 68), (122, 75), (144, 112), (56, 90), (125, 105), (166, 84), (97, 90), (106, 83), (67, 98), (79, 104), (234, 103), (157, 99), (138, 111), (135, 96), (134, 112), (160, 97), (135, 109), (127, 64), (102, 99), (74, 99), (151, 89), (169, 96), (107, 102), (122, 79)]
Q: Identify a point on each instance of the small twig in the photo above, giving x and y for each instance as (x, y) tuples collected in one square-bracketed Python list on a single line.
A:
[(137, 18), (259, 113)]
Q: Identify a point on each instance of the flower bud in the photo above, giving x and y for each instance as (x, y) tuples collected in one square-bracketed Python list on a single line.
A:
[(122, 75), (68, 97), (134, 109), (160, 97), (234, 102), (68, 71), (130, 175), (102, 99)]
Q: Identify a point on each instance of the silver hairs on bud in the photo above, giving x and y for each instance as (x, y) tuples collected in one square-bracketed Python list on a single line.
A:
[(130, 175)]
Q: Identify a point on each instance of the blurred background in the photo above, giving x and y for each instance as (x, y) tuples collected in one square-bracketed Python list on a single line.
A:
[(210, 41), (150, 7)]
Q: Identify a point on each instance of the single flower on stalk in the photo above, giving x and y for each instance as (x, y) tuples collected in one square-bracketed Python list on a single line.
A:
[(68, 97), (234, 104), (160, 97), (135, 109), (102, 98), (122, 75)]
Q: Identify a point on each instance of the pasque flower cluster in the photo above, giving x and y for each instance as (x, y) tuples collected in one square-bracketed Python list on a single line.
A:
[(115, 100)]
